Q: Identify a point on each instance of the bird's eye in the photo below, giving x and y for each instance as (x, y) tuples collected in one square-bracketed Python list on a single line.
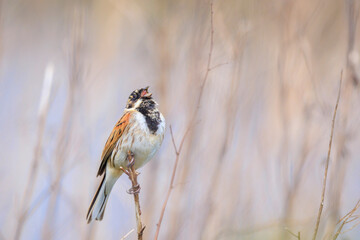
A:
[(134, 95)]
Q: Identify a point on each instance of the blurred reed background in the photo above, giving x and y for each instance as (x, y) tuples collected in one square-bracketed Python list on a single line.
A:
[(252, 165)]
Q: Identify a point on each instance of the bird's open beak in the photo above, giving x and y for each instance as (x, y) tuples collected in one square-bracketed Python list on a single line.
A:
[(145, 93)]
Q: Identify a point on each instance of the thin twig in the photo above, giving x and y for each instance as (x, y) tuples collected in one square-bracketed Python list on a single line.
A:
[(178, 150), (158, 225), (293, 234), (218, 65), (173, 140), (327, 162), (126, 235), (208, 68), (68, 128), (351, 228), (42, 116), (135, 190), (352, 218), (344, 220)]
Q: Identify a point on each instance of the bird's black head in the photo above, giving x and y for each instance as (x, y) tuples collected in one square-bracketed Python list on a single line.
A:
[(137, 97)]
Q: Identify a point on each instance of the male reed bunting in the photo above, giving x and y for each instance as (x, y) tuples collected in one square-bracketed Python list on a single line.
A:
[(140, 131)]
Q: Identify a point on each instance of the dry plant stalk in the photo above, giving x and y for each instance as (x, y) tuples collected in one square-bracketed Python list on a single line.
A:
[(178, 150), (327, 162), (346, 219), (345, 134), (293, 234), (135, 190), (128, 234), (26, 207), (67, 129)]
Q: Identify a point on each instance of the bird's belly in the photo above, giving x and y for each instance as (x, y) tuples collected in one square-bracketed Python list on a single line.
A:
[(144, 149), (143, 146)]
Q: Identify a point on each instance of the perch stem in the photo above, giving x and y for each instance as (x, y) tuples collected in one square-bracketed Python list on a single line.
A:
[(135, 190), (327, 163)]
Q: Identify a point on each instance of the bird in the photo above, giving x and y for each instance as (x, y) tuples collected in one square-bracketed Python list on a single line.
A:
[(140, 132)]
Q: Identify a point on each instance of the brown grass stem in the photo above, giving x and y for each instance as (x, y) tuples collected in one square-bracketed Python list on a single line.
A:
[(293, 234), (177, 153), (327, 162), (135, 190), (344, 220), (178, 150), (42, 116), (128, 234), (208, 66)]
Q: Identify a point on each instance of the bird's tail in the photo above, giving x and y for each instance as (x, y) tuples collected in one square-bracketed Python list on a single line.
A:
[(98, 204)]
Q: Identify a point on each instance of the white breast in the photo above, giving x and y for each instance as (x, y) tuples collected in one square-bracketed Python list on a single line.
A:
[(139, 140)]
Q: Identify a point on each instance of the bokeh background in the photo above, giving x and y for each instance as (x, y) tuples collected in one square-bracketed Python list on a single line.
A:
[(253, 162)]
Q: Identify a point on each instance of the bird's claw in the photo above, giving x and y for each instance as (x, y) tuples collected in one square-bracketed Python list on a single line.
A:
[(134, 190), (125, 171)]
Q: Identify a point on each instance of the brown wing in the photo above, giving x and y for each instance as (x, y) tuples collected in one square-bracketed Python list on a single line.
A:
[(112, 140)]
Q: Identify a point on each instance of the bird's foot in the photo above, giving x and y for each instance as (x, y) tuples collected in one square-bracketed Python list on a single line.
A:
[(134, 190), (127, 172)]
